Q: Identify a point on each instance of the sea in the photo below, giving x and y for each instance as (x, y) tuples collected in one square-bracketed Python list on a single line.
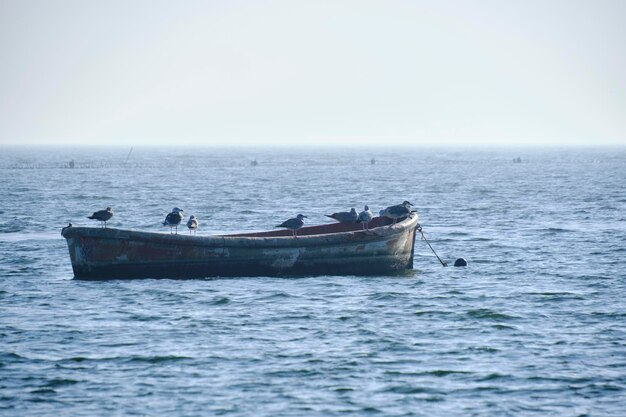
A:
[(534, 325)]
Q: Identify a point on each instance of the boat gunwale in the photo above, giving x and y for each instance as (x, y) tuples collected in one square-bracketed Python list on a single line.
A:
[(240, 240)]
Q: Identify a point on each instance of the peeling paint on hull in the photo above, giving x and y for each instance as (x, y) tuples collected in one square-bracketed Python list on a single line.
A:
[(336, 249)]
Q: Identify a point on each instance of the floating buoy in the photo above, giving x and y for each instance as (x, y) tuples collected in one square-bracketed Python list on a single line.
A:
[(460, 262)]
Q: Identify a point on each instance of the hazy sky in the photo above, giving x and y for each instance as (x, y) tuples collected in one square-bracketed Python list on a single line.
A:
[(312, 72)]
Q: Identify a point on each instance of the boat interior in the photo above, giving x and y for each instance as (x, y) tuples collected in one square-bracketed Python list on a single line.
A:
[(322, 229)]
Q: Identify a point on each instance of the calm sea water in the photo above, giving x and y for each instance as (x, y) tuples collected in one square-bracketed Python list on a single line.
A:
[(534, 326)]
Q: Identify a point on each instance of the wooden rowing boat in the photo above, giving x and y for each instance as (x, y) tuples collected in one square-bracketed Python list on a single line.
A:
[(332, 249)]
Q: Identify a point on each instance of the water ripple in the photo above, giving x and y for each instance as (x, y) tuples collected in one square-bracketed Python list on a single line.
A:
[(534, 326)]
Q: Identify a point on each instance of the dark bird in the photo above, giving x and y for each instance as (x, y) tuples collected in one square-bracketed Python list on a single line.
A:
[(293, 224), (397, 212), (192, 224), (103, 216), (65, 228), (173, 219), (345, 216), (365, 217)]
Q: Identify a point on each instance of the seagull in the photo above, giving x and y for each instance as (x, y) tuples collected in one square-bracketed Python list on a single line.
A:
[(365, 217), (103, 216), (293, 224), (345, 216), (173, 219), (397, 212), (192, 224)]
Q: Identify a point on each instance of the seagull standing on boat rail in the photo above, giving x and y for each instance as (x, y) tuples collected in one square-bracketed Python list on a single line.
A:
[(173, 219), (192, 224), (366, 217), (103, 216), (293, 224), (397, 212), (345, 216)]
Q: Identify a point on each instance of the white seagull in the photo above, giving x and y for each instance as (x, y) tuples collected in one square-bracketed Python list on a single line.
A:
[(366, 217), (192, 224)]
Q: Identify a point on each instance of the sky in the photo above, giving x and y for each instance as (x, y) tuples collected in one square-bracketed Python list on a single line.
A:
[(349, 73)]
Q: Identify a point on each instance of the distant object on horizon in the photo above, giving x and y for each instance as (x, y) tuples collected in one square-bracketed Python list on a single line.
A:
[(345, 216), (517, 160), (254, 163), (192, 224), (103, 216), (71, 164), (173, 219), (293, 224), (372, 161)]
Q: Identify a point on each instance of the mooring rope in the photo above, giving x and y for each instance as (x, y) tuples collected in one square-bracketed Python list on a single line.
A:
[(419, 229)]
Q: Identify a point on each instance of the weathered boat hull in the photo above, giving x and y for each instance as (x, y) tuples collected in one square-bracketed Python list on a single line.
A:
[(98, 253)]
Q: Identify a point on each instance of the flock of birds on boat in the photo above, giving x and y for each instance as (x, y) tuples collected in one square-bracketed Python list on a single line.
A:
[(175, 218)]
